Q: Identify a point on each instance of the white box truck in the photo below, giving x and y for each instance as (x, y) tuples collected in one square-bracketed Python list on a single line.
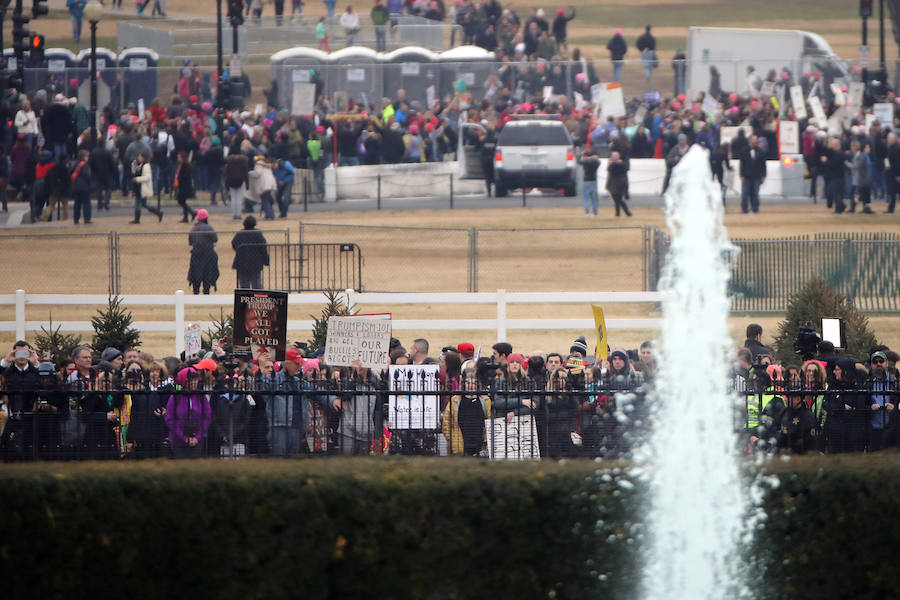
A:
[(732, 50)]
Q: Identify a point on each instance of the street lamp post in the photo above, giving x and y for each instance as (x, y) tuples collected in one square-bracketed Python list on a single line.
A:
[(94, 12)]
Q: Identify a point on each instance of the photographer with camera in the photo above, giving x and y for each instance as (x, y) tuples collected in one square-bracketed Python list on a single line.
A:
[(49, 408), (21, 377)]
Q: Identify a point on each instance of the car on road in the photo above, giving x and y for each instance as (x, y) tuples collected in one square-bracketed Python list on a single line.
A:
[(534, 153)]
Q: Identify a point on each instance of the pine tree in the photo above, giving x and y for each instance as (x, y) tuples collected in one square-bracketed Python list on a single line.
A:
[(58, 345), (220, 329), (112, 328), (815, 300), (335, 307)]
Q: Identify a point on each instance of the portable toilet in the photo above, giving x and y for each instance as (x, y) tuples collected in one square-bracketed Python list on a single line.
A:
[(293, 66), (413, 69), (106, 76), (465, 68), (354, 73), (140, 75), (59, 67)]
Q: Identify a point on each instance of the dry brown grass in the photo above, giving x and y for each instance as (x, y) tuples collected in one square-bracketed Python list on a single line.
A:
[(52, 265)]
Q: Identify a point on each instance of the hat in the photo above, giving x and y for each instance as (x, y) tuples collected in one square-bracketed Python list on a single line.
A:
[(515, 357), (206, 364), (620, 354), (202, 214), (560, 11), (414, 129), (540, 13), (110, 354), (618, 31), (310, 365), (579, 346), (880, 355), (465, 348), (682, 137), (187, 61), (293, 356), (46, 368)]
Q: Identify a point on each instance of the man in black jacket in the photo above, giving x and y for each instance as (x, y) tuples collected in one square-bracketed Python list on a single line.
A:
[(833, 172), (103, 174), (754, 344), (617, 49), (892, 174), (21, 376), (251, 254), (753, 175)]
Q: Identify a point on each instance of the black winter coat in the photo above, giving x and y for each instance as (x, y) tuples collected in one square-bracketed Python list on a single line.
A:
[(249, 259)]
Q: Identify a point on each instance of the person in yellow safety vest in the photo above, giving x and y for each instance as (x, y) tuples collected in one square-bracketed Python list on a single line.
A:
[(764, 410), (387, 112)]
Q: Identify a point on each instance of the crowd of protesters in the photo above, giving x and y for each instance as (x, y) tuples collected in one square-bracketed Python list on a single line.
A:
[(125, 403)]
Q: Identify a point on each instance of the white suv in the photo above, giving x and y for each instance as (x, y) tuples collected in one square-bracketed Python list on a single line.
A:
[(534, 153)]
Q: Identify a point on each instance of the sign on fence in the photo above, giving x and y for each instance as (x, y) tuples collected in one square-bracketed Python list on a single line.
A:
[(516, 440), (303, 100), (884, 112), (192, 340), (815, 103), (414, 411), (260, 324), (797, 102), (789, 137), (366, 339)]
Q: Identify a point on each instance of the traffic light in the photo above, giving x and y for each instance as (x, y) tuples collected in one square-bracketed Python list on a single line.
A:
[(21, 34), (865, 8), (236, 12), (39, 8), (37, 49)]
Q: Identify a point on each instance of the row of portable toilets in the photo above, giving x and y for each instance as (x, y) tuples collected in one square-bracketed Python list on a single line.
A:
[(368, 76), (358, 72), (140, 76)]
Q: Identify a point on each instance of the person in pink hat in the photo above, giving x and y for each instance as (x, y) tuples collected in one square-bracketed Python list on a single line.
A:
[(617, 49), (560, 26), (204, 267)]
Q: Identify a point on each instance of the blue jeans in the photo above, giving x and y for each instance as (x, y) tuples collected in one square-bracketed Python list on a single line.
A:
[(266, 200), (589, 193), (329, 5), (76, 27), (750, 195), (647, 61), (834, 193), (877, 184), (59, 150), (617, 69), (380, 38)]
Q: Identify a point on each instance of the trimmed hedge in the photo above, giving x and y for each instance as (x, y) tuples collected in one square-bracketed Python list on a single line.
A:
[(335, 528), (412, 528)]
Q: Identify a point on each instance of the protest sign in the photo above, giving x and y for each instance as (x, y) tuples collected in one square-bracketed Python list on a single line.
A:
[(609, 97), (767, 90), (303, 100), (797, 102), (362, 338), (789, 137), (260, 324), (600, 326), (192, 340), (884, 112), (839, 98), (726, 134), (855, 96), (414, 411), (516, 440), (815, 103)]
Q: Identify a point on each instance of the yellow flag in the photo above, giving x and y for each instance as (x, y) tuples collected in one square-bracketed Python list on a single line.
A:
[(600, 326)]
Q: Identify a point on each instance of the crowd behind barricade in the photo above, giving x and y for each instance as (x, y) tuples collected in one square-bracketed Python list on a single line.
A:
[(130, 405), (189, 145)]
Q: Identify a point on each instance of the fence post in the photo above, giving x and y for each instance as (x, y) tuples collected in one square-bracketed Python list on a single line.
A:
[(179, 322), (349, 292), (20, 314), (379, 191), (501, 315), (306, 193), (523, 192), (473, 259), (451, 191)]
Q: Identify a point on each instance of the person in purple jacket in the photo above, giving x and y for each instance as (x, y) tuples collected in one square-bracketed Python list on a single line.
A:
[(188, 415)]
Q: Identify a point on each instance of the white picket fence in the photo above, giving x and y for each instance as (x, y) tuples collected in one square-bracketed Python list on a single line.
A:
[(501, 298)]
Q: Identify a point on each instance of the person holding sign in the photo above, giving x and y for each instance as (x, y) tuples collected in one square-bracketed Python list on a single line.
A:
[(462, 421)]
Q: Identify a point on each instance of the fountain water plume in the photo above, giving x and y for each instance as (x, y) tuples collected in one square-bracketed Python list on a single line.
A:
[(697, 502)]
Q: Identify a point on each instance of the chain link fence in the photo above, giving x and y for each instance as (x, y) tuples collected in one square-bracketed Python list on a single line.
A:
[(428, 259)]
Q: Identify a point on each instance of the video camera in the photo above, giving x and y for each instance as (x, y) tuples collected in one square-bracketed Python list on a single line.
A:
[(807, 341)]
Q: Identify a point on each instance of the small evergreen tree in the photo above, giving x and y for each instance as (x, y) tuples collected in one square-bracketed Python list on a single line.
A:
[(220, 329), (112, 328), (815, 300), (334, 307), (58, 345)]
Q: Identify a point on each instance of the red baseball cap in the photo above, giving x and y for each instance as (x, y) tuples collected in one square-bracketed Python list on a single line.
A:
[(208, 364), (292, 355), (465, 348)]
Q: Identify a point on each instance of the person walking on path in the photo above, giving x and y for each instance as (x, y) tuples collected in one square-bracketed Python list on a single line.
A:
[(753, 175), (617, 182), (646, 45), (184, 186), (617, 49), (204, 266), (76, 14), (143, 187), (590, 162), (380, 17), (251, 254)]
